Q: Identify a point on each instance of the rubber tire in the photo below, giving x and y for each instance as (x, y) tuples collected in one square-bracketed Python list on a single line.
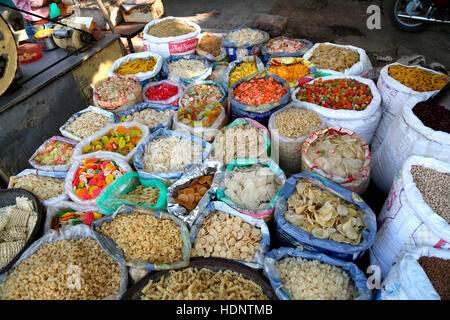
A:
[(398, 24)]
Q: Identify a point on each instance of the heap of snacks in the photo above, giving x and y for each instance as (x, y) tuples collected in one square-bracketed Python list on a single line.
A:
[(143, 237), (226, 236), (190, 196), (348, 94), (150, 117), (243, 70), (435, 189), (16, 225), (252, 187), (433, 116), (294, 123), (334, 58), (245, 36), (200, 115), (239, 142), (290, 72), (337, 153), (49, 272), (93, 176), (418, 79), (203, 284), (211, 44), (42, 187), (170, 28), (187, 68), (143, 195), (120, 140), (116, 88), (313, 280), (259, 91), (55, 153), (170, 153), (324, 215), (136, 66), (73, 218), (201, 94), (87, 124), (284, 45), (438, 272), (161, 92)]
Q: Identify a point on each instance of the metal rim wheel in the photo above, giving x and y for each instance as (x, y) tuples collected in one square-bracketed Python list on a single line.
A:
[(8, 56)]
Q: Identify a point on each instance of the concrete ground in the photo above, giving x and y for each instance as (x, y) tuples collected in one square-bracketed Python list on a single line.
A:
[(337, 21)]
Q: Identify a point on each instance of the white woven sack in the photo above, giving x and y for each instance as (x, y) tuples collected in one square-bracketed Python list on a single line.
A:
[(406, 221), (287, 151), (142, 76), (405, 137), (363, 68), (362, 122), (180, 45), (408, 281), (394, 97)]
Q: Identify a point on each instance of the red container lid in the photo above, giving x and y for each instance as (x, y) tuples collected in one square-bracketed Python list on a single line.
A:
[(29, 52)]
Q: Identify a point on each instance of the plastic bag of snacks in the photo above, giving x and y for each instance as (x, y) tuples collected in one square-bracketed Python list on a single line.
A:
[(416, 212), (244, 42), (154, 115), (85, 122), (244, 138), (201, 112), (186, 69), (258, 96), (304, 275), (403, 86), (211, 47), (164, 92), (359, 114), (166, 155), (343, 226), (284, 47), (234, 235), (117, 93), (53, 155), (140, 237), (76, 247), (67, 214), (252, 186), (142, 65), (239, 69), (289, 127), (90, 175), (47, 186), (130, 189), (407, 136), (292, 69), (190, 194), (340, 155), (121, 139), (421, 274), (170, 36), (340, 59)]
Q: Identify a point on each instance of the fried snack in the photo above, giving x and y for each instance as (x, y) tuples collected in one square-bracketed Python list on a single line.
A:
[(136, 66), (143, 195), (336, 58), (190, 196)]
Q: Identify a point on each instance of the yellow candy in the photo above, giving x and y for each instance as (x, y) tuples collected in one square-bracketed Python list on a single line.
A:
[(109, 178)]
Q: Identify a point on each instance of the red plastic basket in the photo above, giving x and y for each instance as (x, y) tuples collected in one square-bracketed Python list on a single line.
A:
[(29, 52)]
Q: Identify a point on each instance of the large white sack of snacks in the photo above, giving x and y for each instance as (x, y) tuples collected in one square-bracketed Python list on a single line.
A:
[(407, 136), (394, 97), (363, 68), (362, 122), (407, 280), (165, 46), (406, 220)]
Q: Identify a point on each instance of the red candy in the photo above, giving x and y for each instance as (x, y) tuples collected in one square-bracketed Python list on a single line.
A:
[(161, 92)]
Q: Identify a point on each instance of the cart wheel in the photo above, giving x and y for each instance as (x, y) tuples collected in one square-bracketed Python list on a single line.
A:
[(8, 56)]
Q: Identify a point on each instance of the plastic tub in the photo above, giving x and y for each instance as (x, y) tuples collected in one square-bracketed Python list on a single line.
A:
[(29, 52)]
